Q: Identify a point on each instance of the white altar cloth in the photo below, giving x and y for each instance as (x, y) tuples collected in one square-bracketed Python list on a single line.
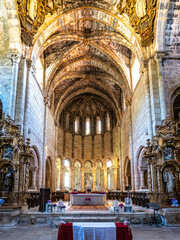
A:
[(96, 199), (94, 231)]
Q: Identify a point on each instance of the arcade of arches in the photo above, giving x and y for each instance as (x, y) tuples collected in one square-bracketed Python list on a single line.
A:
[(95, 86)]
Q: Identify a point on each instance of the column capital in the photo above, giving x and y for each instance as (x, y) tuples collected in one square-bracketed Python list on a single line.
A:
[(14, 55), (159, 55)]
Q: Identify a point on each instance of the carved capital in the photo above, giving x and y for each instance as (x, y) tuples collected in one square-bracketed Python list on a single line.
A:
[(14, 56), (159, 56)]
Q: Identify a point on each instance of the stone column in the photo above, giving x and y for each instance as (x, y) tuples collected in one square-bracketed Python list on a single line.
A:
[(115, 178), (82, 178), (105, 178), (158, 59), (30, 70), (46, 102), (15, 57), (61, 178), (34, 172), (133, 180), (21, 92), (148, 103)]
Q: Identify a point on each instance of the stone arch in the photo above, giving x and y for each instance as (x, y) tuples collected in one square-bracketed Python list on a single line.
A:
[(141, 170), (100, 15), (88, 161), (175, 100), (160, 25), (98, 161), (77, 160)]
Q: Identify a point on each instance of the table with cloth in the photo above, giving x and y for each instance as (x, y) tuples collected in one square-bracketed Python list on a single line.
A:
[(94, 231)]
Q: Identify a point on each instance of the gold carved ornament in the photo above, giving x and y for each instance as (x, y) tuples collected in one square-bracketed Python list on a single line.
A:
[(32, 15), (141, 15)]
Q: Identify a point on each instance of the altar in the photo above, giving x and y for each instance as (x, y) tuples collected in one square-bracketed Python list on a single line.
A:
[(94, 199)]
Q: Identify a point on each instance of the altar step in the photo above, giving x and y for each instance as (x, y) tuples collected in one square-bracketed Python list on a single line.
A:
[(55, 218)]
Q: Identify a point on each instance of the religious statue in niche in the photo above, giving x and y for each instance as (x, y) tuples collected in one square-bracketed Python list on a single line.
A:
[(32, 8), (169, 180), (140, 8), (6, 179), (7, 152), (88, 180), (168, 153)]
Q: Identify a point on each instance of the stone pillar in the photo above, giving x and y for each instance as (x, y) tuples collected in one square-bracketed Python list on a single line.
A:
[(61, 178), (15, 57), (46, 102), (115, 178), (148, 102), (105, 178), (30, 70), (94, 179), (158, 58), (82, 178), (34, 173), (21, 92), (133, 180)]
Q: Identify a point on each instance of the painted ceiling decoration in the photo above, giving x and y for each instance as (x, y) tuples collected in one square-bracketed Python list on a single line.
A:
[(141, 15)]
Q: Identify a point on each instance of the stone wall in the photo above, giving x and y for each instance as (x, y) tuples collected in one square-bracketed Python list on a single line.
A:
[(5, 84)]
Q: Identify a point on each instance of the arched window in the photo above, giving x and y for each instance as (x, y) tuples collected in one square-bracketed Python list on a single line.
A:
[(66, 163), (1, 109), (76, 125), (98, 125), (176, 107), (88, 126), (109, 163), (67, 180), (108, 123)]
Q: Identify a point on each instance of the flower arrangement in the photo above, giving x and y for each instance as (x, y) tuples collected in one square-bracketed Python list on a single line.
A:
[(174, 202), (49, 201), (88, 199), (74, 192), (121, 205), (1, 201)]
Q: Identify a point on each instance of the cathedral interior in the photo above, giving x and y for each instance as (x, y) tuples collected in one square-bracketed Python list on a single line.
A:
[(90, 98)]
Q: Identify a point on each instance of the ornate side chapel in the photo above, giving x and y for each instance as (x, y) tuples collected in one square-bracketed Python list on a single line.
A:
[(163, 163), (15, 158)]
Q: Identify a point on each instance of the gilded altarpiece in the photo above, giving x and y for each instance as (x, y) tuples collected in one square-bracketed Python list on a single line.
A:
[(163, 163), (15, 158)]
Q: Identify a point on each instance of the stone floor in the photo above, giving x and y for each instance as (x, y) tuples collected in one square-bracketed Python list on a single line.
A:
[(29, 232)]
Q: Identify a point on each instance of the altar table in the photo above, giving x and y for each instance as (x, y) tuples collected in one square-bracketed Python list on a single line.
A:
[(94, 231), (96, 199)]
